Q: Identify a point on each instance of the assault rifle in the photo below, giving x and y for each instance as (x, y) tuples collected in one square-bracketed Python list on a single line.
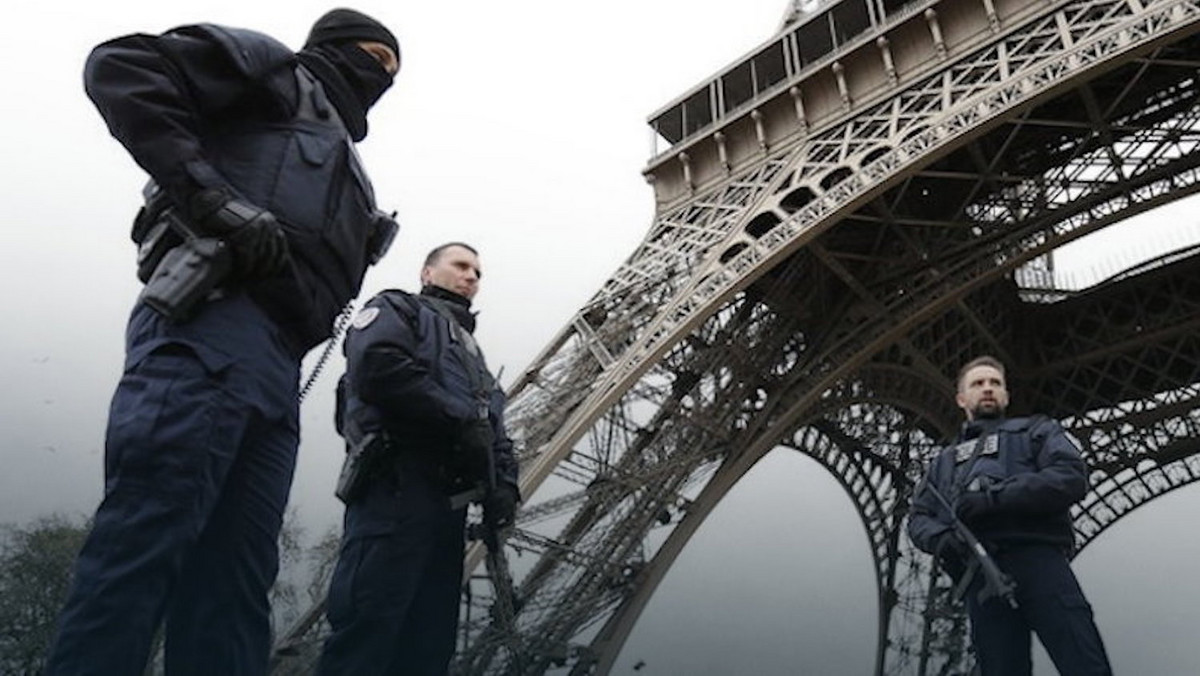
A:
[(505, 604), (995, 581)]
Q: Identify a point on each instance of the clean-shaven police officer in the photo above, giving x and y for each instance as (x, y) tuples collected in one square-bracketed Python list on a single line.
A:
[(419, 404)]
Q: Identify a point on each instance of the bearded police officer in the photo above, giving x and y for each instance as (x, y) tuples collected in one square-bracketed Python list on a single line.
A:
[(259, 226), (422, 418), (1011, 481)]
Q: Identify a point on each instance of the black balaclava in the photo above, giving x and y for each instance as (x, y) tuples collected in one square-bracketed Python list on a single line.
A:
[(353, 79)]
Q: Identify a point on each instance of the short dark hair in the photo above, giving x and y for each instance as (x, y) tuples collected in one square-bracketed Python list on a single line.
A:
[(981, 360), (437, 251)]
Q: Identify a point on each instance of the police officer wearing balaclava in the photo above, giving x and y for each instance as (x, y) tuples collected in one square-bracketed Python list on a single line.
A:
[(258, 227)]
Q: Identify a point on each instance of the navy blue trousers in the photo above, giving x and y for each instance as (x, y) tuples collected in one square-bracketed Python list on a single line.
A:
[(394, 598), (1050, 603), (199, 457)]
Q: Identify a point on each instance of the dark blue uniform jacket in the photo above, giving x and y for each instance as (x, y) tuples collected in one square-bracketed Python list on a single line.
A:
[(208, 106), (404, 376), (1037, 473)]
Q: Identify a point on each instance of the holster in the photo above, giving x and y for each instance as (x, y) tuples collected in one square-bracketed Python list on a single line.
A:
[(179, 268), (152, 231), (363, 459), (186, 275)]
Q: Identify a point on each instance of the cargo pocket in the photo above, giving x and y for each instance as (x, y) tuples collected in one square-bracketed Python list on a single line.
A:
[(165, 418), (1073, 603)]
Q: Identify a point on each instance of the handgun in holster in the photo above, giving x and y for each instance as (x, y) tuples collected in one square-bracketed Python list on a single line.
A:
[(179, 267), (362, 461)]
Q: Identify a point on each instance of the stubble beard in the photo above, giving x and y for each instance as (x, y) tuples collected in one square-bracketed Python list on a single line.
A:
[(989, 410)]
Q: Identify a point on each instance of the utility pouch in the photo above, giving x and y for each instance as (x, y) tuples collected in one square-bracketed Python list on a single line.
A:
[(383, 232), (153, 232), (186, 275), (359, 466), (156, 241), (471, 452), (156, 204)]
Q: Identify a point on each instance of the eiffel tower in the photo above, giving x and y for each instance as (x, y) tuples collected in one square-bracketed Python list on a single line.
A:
[(870, 198)]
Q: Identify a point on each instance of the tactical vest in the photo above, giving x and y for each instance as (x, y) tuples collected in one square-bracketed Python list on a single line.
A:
[(1010, 453), (305, 171)]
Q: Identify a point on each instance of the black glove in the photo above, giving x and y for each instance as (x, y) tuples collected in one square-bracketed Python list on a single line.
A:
[(472, 448), (259, 245), (949, 547), (973, 505), (500, 507)]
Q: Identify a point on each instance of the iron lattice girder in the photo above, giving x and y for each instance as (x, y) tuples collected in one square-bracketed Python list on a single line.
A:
[(897, 384), (807, 275), (923, 219), (1135, 463), (631, 495), (877, 455), (1134, 339), (929, 118), (870, 487), (973, 258)]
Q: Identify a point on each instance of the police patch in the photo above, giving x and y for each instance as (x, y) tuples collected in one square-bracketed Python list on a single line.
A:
[(991, 445), (964, 451), (364, 318)]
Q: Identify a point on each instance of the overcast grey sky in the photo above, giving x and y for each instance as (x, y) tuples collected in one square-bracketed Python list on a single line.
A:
[(519, 127)]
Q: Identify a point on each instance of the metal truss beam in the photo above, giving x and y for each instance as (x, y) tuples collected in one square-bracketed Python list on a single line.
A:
[(821, 295)]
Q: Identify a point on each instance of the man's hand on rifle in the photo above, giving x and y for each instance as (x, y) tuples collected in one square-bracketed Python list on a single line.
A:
[(500, 507), (948, 546), (980, 499)]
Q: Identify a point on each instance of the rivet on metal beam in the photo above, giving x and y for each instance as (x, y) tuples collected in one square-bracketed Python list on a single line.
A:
[(722, 153), (989, 6), (759, 130), (885, 51), (839, 72), (935, 29), (801, 116)]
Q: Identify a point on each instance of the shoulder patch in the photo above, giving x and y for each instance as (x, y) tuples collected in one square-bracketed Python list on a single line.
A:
[(364, 317)]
